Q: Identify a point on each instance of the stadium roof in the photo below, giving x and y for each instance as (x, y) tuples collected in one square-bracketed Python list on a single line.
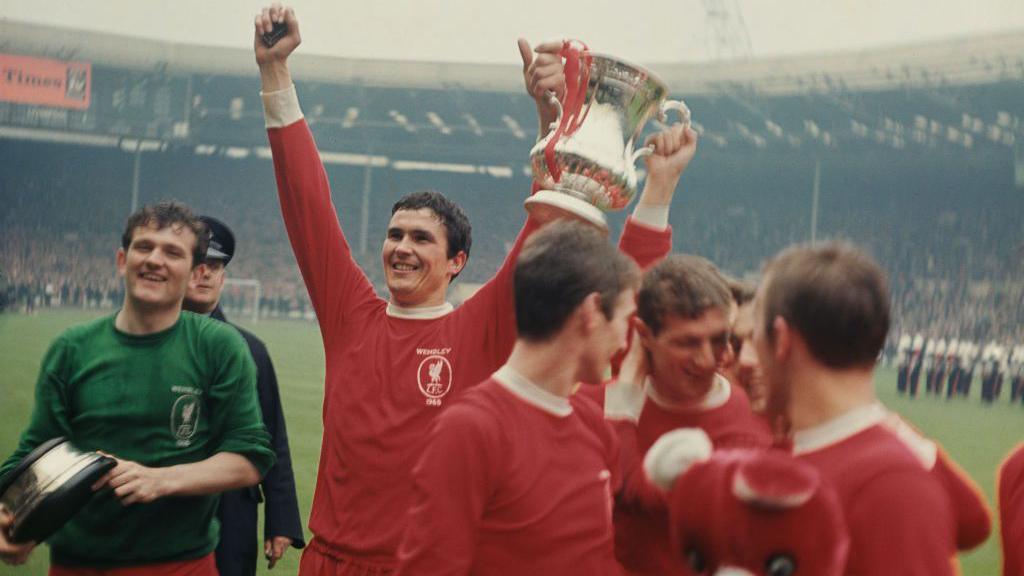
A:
[(964, 61)]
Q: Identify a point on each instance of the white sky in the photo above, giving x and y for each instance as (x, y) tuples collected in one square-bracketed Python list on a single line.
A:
[(486, 30)]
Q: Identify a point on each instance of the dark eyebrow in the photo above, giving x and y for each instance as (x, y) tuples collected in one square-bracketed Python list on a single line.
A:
[(420, 231)]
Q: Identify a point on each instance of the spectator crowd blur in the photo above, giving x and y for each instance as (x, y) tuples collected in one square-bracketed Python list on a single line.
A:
[(949, 237)]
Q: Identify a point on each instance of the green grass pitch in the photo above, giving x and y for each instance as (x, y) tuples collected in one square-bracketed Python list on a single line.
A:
[(978, 437)]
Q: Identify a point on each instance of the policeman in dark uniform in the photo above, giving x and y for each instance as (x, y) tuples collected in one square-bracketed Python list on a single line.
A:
[(237, 552)]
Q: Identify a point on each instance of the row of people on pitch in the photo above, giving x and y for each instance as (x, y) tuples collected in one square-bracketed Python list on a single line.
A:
[(998, 364), (182, 402), (948, 368), (394, 366), (952, 366)]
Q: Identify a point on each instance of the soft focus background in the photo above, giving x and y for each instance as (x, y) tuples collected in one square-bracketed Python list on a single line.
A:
[(896, 125)]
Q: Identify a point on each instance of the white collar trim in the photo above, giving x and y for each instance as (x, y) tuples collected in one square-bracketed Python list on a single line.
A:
[(838, 429), (424, 313), (717, 396), (532, 394)]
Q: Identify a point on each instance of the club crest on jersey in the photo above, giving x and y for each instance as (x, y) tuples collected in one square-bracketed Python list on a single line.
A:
[(434, 377), (185, 418)]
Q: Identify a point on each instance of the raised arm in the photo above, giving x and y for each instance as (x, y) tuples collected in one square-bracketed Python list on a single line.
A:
[(542, 74), (336, 285), (647, 237)]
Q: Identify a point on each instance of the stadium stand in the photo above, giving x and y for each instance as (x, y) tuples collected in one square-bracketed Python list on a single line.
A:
[(917, 150)]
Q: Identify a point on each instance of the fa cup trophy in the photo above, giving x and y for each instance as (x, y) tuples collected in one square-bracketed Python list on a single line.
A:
[(586, 163)]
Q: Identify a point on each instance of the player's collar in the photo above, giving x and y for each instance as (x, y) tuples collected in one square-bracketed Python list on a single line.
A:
[(532, 394), (717, 396), (424, 313), (838, 429)]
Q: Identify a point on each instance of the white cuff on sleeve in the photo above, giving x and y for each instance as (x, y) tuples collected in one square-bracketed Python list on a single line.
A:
[(655, 217), (674, 453), (281, 107)]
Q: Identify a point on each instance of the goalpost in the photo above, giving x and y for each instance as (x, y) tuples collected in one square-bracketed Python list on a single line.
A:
[(248, 286)]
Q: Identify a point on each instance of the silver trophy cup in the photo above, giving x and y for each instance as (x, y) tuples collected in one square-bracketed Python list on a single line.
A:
[(597, 162)]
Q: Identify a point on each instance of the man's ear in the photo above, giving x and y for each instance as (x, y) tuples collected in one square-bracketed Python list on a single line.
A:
[(457, 263), (644, 331), (782, 341), (122, 261), (589, 313)]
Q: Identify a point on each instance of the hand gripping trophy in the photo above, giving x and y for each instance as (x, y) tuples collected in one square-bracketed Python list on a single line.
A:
[(586, 163)]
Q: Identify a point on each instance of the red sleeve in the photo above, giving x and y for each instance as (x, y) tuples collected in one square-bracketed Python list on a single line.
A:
[(899, 524), (647, 246), (1011, 512), (633, 489), (336, 285), (629, 481), (973, 520), (492, 308), (594, 392), (451, 484)]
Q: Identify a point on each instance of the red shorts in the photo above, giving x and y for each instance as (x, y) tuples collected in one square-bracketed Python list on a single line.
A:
[(205, 566)]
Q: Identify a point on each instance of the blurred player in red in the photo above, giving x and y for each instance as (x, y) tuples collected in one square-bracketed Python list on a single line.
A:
[(973, 520), (1011, 512), (746, 370), (822, 315)]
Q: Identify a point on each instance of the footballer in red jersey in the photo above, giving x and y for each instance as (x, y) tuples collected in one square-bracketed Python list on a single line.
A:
[(822, 314), (1011, 512), (393, 364), (683, 331), (517, 476)]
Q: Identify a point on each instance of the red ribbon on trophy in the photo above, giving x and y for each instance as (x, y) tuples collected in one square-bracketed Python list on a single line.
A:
[(577, 77)]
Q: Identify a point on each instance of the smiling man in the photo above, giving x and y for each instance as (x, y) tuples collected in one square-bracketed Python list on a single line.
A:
[(683, 326), (170, 395), (394, 364)]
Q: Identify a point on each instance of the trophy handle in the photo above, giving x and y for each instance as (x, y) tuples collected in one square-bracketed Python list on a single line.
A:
[(553, 100), (677, 106)]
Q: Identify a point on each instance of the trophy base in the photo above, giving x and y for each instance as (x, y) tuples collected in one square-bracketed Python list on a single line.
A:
[(547, 205)]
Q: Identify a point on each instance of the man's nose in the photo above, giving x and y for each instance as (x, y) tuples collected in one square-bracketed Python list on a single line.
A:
[(404, 245), (155, 258), (705, 357)]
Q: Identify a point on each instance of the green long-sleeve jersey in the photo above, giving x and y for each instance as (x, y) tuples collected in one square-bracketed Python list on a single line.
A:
[(174, 397)]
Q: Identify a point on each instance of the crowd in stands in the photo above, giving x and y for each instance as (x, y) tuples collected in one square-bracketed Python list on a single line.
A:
[(947, 235)]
